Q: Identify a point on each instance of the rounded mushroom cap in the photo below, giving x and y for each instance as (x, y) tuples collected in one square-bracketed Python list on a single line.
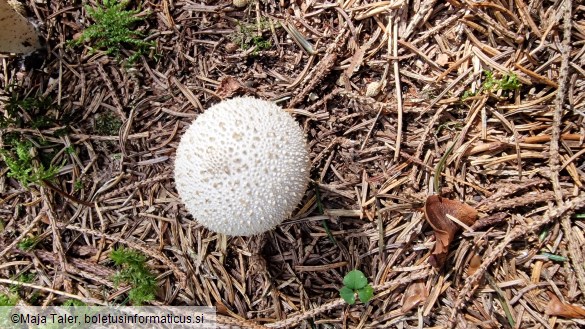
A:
[(17, 34), (242, 166)]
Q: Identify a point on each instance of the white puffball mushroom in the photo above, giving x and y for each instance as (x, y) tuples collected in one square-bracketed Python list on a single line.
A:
[(242, 167), (17, 34)]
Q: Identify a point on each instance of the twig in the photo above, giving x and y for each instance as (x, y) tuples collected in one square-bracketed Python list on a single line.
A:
[(398, 89), (559, 101), (86, 300), (424, 9), (66, 195), (574, 248), (320, 70)]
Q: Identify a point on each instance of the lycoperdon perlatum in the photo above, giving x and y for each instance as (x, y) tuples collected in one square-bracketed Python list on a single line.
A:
[(242, 167)]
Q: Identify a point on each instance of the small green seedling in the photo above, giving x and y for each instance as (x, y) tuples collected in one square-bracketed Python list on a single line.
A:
[(78, 185), (8, 300), (490, 83), (135, 273), (467, 94), (27, 243), (73, 302), (22, 167), (113, 28), (356, 282), (35, 107), (107, 124), (246, 37), (508, 82)]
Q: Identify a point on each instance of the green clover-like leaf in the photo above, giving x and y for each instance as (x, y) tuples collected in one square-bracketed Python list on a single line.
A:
[(355, 280), (366, 293), (348, 295)]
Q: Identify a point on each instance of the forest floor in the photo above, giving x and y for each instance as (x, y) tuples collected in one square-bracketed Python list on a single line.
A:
[(481, 103)]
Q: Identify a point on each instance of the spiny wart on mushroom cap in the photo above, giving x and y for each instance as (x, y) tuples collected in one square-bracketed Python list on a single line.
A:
[(242, 166)]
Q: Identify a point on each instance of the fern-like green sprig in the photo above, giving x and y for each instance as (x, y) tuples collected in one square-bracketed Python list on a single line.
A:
[(134, 272), (113, 28), (8, 300), (22, 167)]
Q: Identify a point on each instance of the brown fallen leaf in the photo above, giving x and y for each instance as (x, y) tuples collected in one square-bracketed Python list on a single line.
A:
[(228, 87), (557, 308), (415, 294), (221, 308), (436, 210)]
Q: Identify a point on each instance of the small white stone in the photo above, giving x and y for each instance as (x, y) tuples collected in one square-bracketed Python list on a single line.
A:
[(373, 89)]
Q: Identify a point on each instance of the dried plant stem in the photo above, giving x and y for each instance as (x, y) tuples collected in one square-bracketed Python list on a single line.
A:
[(559, 101), (52, 187), (86, 300), (320, 70), (398, 88), (57, 243), (419, 17), (574, 253)]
